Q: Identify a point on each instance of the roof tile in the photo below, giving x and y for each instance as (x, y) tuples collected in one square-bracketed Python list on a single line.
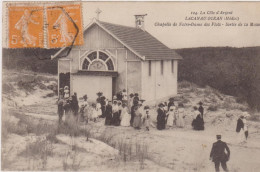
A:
[(141, 41)]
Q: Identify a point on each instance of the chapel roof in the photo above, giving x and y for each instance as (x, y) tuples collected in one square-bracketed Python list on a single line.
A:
[(141, 42)]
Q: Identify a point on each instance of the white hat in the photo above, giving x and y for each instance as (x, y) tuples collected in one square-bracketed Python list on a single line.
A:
[(172, 108), (246, 114)]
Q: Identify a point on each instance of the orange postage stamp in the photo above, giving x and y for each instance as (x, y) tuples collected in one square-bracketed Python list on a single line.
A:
[(26, 27), (64, 25)]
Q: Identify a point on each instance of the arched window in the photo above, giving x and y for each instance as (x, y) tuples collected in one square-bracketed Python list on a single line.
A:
[(98, 61)]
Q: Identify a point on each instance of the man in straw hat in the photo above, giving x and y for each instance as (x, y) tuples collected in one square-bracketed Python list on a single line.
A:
[(218, 154)]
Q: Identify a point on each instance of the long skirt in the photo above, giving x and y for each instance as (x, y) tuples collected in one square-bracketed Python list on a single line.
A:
[(180, 122), (116, 119), (137, 122), (241, 136), (125, 120), (170, 120), (161, 124)]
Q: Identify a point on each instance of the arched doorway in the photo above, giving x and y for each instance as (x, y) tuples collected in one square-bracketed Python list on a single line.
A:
[(96, 74)]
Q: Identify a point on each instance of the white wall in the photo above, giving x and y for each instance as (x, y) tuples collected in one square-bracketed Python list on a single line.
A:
[(90, 85), (158, 86)]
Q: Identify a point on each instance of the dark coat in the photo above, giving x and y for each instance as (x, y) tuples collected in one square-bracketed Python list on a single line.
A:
[(74, 105), (132, 115), (201, 110), (198, 123), (116, 119), (161, 119), (218, 152), (171, 103), (103, 107), (108, 115), (135, 100), (60, 107), (240, 125)]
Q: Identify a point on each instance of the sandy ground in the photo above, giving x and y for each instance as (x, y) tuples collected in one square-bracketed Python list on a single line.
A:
[(173, 149)]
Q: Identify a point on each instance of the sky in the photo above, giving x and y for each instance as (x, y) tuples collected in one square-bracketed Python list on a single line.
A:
[(181, 36), (170, 12)]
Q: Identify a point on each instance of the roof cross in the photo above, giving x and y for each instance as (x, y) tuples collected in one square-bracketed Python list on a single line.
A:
[(98, 11)]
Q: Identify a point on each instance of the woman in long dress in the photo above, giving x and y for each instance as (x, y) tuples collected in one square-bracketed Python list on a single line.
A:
[(125, 116), (94, 114), (161, 117), (147, 118), (115, 113), (170, 115), (137, 119), (180, 118), (98, 108)]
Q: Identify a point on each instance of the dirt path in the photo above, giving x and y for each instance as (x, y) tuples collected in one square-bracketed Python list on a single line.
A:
[(184, 149)]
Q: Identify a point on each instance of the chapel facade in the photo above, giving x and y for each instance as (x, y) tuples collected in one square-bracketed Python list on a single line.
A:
[(116, 57)]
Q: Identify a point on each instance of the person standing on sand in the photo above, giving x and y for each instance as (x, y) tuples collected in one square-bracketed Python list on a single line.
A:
[(180, 118), (60, 110), (147, 119), (125, 116), (201, 110), (108, 113), (137, 123), (240, 129), (171, 103), (130, 101), (161, 117), (245, 126), (170, 116), (218, 155)]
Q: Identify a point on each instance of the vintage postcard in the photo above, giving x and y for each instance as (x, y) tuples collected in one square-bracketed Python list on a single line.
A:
[(130, 86)]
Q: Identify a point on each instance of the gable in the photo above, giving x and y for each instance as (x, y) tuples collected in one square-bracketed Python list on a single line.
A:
[(106, 35), (96, 38)]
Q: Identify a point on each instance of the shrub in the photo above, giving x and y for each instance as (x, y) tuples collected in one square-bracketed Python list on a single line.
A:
[(41, 149)]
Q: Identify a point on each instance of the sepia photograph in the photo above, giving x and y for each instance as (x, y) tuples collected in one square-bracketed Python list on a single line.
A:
[(124, 86)]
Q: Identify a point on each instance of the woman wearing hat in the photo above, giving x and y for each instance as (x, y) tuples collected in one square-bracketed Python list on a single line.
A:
[(66, 92), (171, 103), (125, 116), (161, 117), (108, 113), (170, 116), (138, 116), (201, 109), (114, 112), (130, 101), (147, 119), (180, 117)]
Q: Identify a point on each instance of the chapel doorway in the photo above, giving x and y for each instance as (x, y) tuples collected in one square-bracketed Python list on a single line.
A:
[(64, 80)]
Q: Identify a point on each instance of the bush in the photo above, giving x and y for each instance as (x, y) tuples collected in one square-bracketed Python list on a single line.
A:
[(232, 71)]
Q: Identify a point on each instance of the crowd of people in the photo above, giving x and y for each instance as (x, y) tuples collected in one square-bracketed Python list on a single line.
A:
[(126, 110)]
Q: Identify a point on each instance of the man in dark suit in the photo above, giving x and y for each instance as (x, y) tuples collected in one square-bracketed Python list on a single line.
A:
[(218, 155)]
